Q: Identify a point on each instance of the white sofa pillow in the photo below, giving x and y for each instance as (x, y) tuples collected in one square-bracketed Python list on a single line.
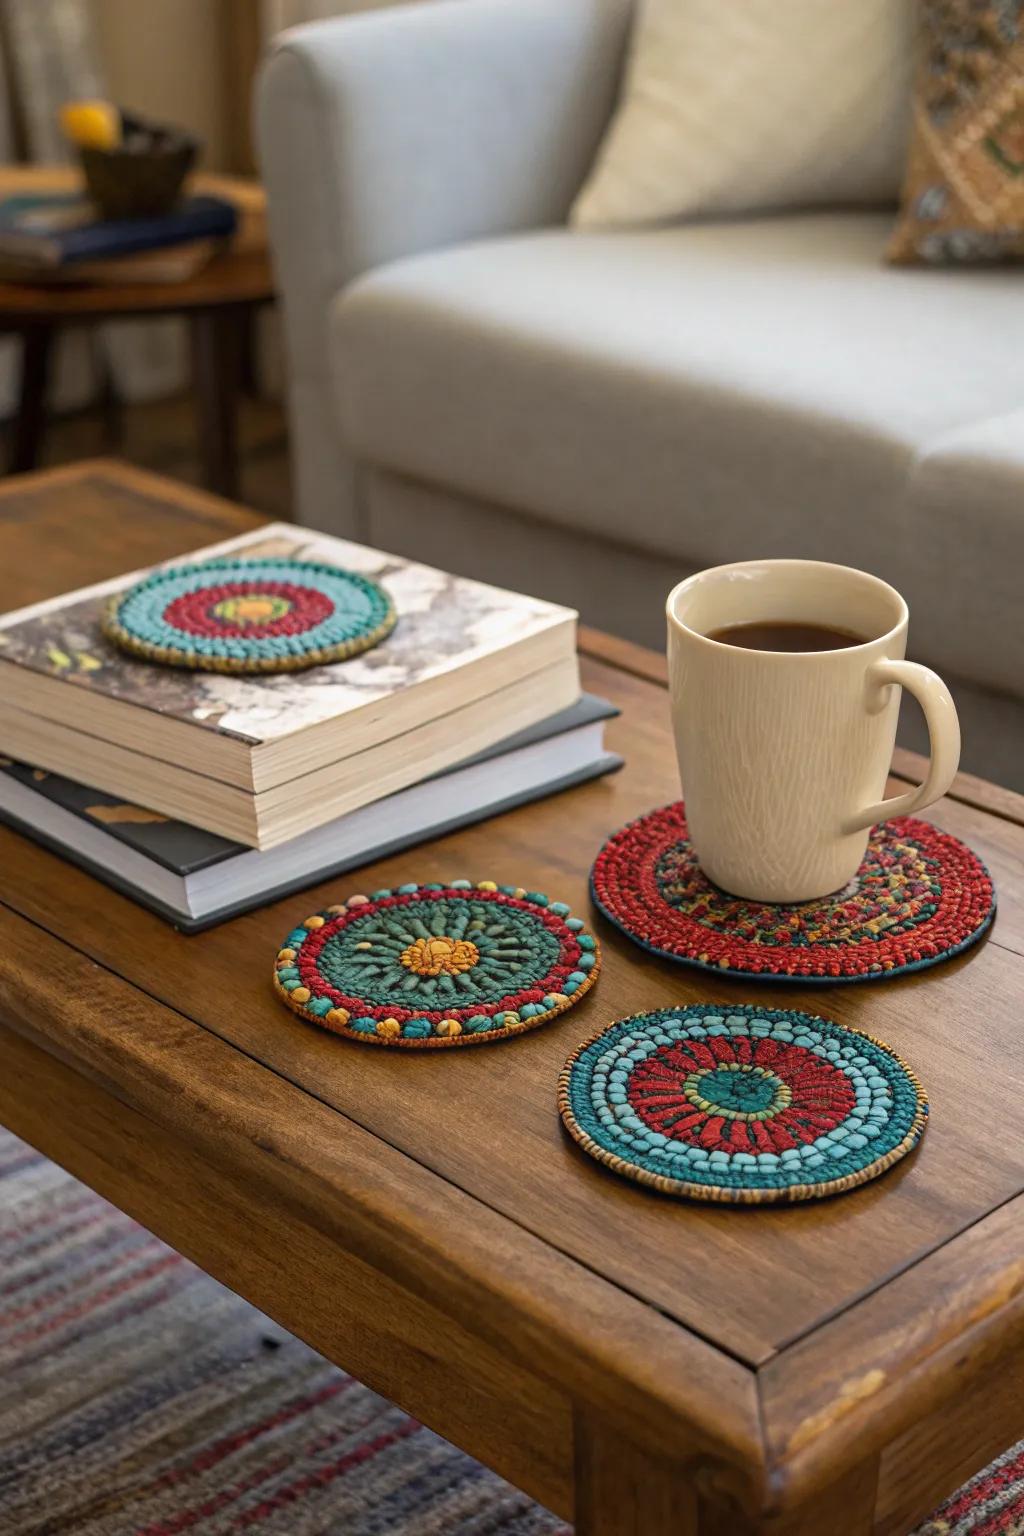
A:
[(729, 106)]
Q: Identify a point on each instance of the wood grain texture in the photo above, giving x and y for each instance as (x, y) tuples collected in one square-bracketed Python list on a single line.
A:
[(71, 527), (622, 1490), (788, 1270), (233, 277), (845, 1507), (382, 1208), (935, 1336), (784, 1270), (927, 1463), (420, 1356), (758, 1356)]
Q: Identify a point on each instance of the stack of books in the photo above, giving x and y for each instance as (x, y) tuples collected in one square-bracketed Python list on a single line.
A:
[(51, 233), (60, 237), (205, 794)]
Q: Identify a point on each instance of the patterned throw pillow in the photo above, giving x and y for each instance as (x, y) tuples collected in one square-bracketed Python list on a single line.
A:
[(963, 197)]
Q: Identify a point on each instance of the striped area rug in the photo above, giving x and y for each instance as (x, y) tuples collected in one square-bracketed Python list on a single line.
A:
[(140, 1398)]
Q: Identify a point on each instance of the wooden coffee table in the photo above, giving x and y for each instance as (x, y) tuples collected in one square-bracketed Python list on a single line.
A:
[(646, 1366)]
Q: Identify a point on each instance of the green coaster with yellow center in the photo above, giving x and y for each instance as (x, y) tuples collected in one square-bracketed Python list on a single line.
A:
[(427, 966)]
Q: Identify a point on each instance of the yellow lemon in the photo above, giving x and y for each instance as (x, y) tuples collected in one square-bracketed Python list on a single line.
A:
[(91, 124)]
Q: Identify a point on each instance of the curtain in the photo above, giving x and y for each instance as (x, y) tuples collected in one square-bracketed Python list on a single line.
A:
[(52, 57)]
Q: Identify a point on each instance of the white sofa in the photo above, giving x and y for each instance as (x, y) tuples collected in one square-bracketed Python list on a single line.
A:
[(591, 416)]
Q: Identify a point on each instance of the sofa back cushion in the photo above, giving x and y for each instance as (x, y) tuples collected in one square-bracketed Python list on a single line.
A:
[(729, 108)]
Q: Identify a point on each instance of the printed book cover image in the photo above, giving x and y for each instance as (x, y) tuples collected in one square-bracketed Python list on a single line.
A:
[(444, 622)]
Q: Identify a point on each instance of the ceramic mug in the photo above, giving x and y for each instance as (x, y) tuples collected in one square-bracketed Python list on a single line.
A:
[(784, 756)]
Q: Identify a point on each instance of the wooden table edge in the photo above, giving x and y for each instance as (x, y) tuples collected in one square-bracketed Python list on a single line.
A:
[(144, 482), (387, 1208), (899, 1354), (789, 1442)]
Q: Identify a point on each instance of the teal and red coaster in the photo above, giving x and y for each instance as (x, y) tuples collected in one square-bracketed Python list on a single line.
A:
[(741, 1105), (425, 966), (919, 897), (236, 615)]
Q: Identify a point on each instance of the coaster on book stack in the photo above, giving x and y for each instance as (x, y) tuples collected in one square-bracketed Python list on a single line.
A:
[(741, 1105), (424, 966), (250, 615), (919, 897)]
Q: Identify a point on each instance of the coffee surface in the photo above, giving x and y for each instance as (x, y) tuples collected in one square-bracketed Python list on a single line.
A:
[(778, 635)]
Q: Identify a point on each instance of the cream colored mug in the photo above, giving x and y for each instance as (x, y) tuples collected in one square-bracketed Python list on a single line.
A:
[(784, 756)]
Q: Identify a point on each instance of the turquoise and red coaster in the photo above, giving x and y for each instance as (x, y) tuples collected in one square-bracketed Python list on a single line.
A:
[(741, 1105), (424, 966), (919, 897), (250, 615)]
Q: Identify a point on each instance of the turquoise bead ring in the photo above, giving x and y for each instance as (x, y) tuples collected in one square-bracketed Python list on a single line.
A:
[(267, 615), (741, 1104)]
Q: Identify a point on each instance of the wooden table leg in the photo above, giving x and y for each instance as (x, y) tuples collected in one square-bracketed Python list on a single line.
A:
[(623, 1491), (215, 370), (36, 349)]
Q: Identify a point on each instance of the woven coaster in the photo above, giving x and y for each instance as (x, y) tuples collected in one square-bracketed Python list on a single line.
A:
[(437, 965), (919, 897), (250, 616), (742, 1105)]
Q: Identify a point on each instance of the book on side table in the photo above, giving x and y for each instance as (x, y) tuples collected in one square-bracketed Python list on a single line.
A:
[(195, 878), (262, 759)]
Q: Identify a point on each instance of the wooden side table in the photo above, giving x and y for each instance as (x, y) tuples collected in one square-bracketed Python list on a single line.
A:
[(218, 302)]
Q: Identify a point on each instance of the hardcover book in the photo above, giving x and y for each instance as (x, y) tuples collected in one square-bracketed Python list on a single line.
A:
[(195, 878), (64, 229), (259, 759)]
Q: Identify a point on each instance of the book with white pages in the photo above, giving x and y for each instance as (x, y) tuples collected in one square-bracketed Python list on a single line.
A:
[(195, 879), (260, 759)]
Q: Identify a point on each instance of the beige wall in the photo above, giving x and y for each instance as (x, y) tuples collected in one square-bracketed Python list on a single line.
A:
[(163, 57), (170, 58)]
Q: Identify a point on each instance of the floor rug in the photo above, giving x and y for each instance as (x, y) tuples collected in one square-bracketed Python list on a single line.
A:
[(140, 1398)]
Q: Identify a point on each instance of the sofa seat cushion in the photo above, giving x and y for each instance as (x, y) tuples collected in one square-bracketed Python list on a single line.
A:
[(707, 392)]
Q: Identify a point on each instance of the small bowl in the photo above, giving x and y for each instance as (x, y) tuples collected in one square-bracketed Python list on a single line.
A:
[(143, 176)]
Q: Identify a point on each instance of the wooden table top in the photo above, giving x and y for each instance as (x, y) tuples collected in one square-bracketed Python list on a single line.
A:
[(232, 277), (787, 1341)]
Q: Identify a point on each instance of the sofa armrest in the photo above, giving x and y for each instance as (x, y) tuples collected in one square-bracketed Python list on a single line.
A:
[(398, 130), (394, 131)]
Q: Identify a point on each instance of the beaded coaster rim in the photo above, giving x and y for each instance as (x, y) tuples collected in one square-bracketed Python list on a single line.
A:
[(790, 978), (436, 1042), (713, 1194), (173, 656)]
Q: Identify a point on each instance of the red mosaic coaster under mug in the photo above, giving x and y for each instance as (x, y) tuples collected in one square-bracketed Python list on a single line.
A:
[(919, 897)]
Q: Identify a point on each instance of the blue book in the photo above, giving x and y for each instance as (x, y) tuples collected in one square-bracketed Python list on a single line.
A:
[(57, 231), (194, 878)]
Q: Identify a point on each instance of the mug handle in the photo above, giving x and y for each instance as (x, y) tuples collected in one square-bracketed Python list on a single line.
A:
[(943, 731)]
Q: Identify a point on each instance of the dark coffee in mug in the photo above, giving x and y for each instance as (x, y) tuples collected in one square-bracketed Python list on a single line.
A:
[(765, 635)]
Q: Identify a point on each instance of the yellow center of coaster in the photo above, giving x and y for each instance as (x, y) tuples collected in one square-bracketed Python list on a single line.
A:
[(252, 608), (440, 956)]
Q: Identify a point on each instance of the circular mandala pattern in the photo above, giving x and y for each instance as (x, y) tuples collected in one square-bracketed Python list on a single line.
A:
[(250, 615), (742, 1105), (919, 897), (437, 965)]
